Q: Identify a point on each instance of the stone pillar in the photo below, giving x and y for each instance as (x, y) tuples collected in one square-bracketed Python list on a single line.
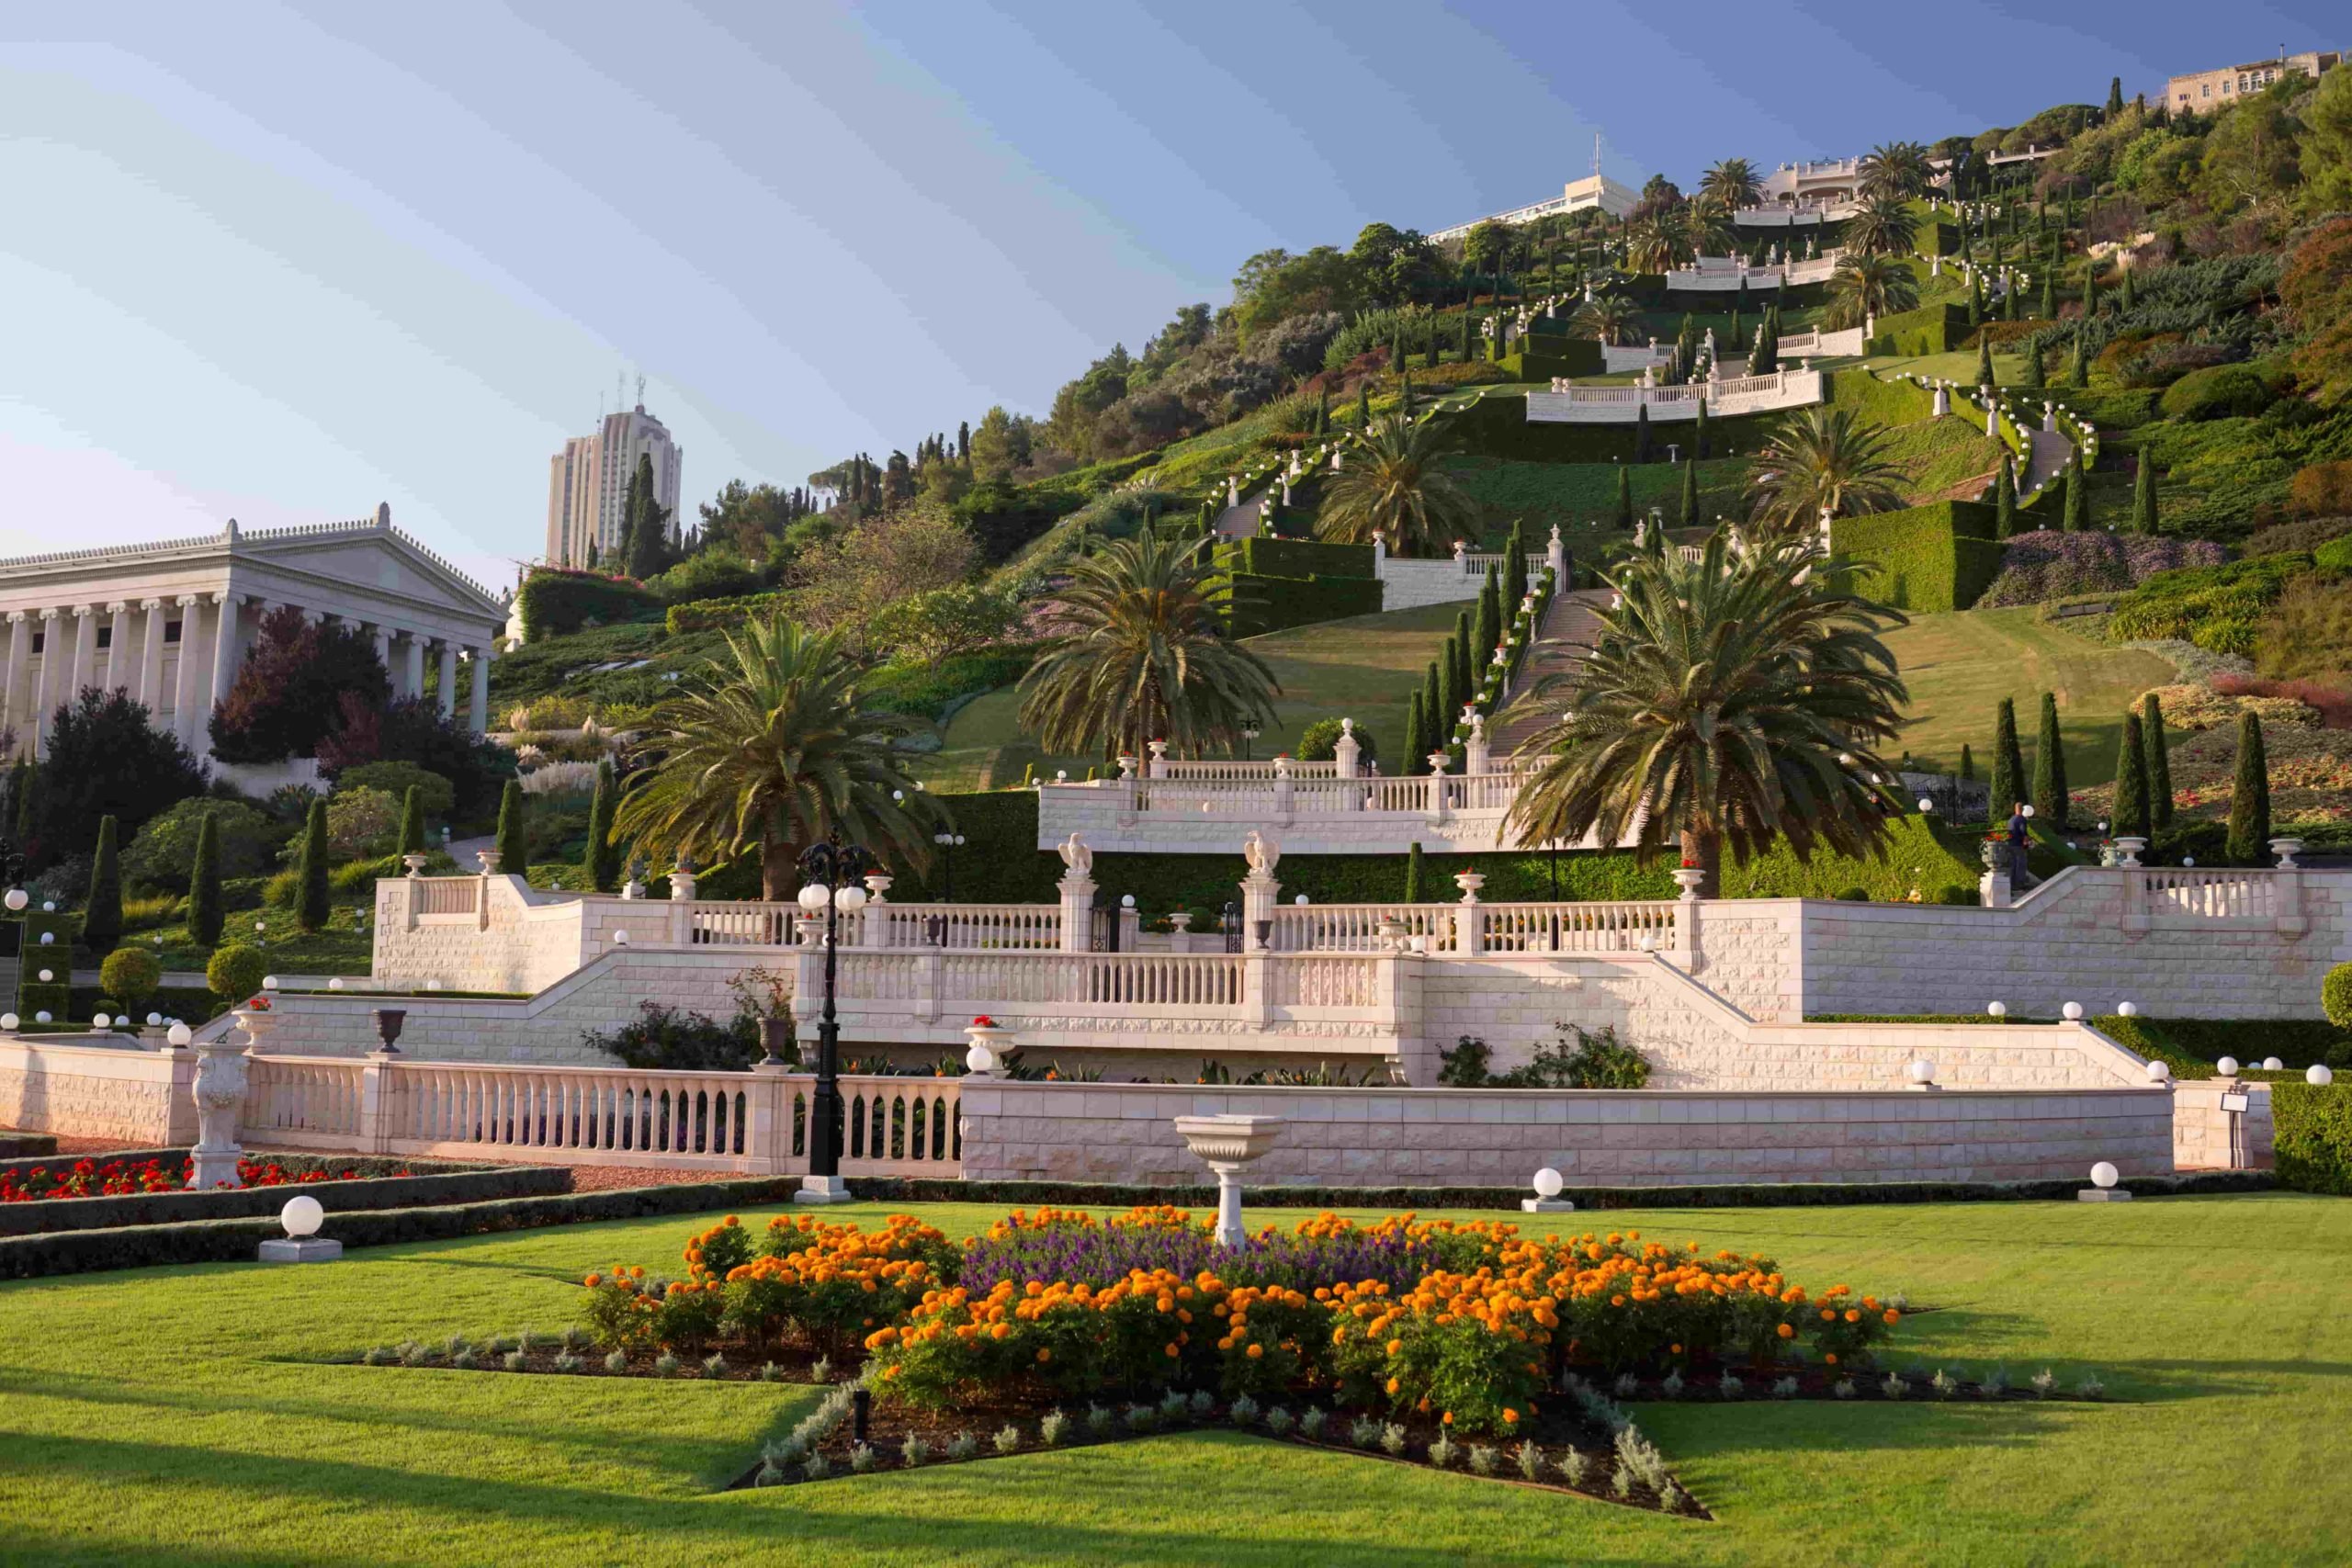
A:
[(118, 670), (1349, 749), (1158, 765), (220, 1086), (224, 646), (876, 917), (1258, 890), (1130, 925), (1556, 556), (478, 702), (13, 700), (1475, 753), (1993, 888), (1942, 404), (382, 635), (150, 688), (1077, 891), (85, 649), (1283, 786), (1469, 925), (411, 683), (45, 679), (448, 699)]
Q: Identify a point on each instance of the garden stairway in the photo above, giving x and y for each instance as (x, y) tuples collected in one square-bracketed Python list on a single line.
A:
[(1569, 625)]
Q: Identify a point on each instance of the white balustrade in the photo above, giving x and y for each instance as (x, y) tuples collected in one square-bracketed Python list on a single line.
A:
[(716, 923), (1596, 927), (1029, 926), (1323, 981), (2210, 895), (1232, 768), (301, 1100), (1571, 403), (447, 896)]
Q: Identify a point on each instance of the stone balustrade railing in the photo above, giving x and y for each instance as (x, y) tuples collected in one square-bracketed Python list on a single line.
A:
[(1571, 403), (1723, 275)]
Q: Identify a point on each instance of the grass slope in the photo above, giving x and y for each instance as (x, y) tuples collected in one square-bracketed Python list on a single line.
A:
[(181, 1415), (1959, 666)]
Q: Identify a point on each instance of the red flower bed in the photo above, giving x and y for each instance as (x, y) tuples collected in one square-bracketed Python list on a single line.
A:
[(122, 1178)]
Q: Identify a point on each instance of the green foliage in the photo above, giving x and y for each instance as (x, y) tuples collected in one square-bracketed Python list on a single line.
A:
[(556, 603), (1319, 742), (1296, 558), (668, 1039), (2216, 607), (1914, 854), (436, 794), (314, 900), (1569, 356), (236, 971), (205, 909), (2220, 391), (102, 914), (2311, 1129), (1941, 555), (720, 614), (602, 857), (1497, 426), (372, 1185), (411, 839), (1416, 876), (2158, 763), (131, 975), (2336, 996), (1261, 604), (2009, 762), (2050, 794), (1932, 329), (513, 841), (2132, 813), (927, 688), (2250, 795)]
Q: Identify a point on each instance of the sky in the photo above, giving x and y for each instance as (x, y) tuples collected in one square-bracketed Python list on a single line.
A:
[(284, 263)]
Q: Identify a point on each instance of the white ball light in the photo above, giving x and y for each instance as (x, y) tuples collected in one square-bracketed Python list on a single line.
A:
[(153, 1019), (1300, 901), (2127, 1010), (269, 982), (849, 899), (1920, 1070), (47, 974), (8, 1020), (2104, 1174), (2318, 1073), (302, 1216), (812, 896), (2273, 1064), (41, 1017), (432, 985), (979, 1058), (49, 906), (1126, 901), (102, 1021), (16, 900), (2227, 1066), (1996, 1010), (2028, 812), (2188, 860), (1925, 804), (2158, 1072), (181, 1034), (2072, 1012), (1548, 1183), (47, 938), (334, 982)]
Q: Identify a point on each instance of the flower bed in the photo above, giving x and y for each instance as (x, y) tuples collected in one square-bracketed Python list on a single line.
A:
[(147, 1188), (121, 1177)]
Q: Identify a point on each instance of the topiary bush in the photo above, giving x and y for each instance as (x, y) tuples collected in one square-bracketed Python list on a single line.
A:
[(1319, 742), (2221, 391), (236, 971), (131, 975), (2336, 996)]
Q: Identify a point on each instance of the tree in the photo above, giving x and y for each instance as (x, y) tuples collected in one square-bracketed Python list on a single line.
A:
[(1000, 447), (2159, 763), (102, 914), (2114, 97), (1885, 227), (1821, 460), (1867, 286), (603, 859), (512, 843), (920, 548), (1140, 653), (1984, 377), (2250, 795), (415, 731), (1624, 499), (2051, 801), (2004, 499), (1609, 318), (287, 696), (1967, 763), (130, 975), (1489, 624), (2144, 494), (1731, 701), (1417, 735), (1454, 687), (1417, 885), (2326, 155), (1514, 571), (1642, 433), (746, 519), (236, 971), (206, 913), (2317, 288), (645, 522), (1395, 487), (1732, 182), (2077, 516), (2008, 785), (104, 758), (2078, 370), (2130, 814), (2049, 311), (1691, 493), (412, 840), (1699, 439), (312, 903), (1893, 170)]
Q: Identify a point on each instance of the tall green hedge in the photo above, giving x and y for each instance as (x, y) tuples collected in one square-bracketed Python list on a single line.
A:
[(1296, 558), (719, 615), (35, 995), (2313, 1127), (555, 603), (1941, 555), (1877, 402), (1497, 427), (1262, 603), (1932, 329), (1558, 356)]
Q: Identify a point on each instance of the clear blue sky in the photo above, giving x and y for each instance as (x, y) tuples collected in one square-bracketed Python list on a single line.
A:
[(284, 263)]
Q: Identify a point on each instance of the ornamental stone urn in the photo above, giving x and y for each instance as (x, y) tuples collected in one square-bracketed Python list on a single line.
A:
[(2129, 846), (2287, 850), (1688, 878), (220, 1092), (1225, 1144), (1994, 853)]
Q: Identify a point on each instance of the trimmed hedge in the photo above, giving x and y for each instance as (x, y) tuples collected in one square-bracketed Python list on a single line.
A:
[(383, 1192), (719, 614), (1877, 402), (27, 1146), (2312, 1130), (1497, 426), (1559, 356), (193, 1004), (2190, 1046), (220, 1241), (1932, 329), (556, 601), (1423, 1198), (1262, 603), (1296, 558), (35, 995), (1941, 555)]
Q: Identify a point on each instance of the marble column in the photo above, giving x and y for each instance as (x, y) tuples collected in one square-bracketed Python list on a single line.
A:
[(224, 647), (449, 698), (382, 636), (189, 714), (56, 664), (413, 668), (86, 650), (12, 701), (151, 659), (477, 706), (118, 647)]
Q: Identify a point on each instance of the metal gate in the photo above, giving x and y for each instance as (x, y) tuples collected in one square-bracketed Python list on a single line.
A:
[(1102, 925)]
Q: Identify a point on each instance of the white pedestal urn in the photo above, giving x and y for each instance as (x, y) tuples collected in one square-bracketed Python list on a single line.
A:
[(1686, 878), (220, 1092), (990, 1045), (1225, 1144), (2128, 847), (2287, 850)]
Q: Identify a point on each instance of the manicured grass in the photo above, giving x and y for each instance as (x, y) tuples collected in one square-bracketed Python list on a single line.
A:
[(184, 1416), (342, 948), (1576, 495), (1958, 667), (1937, 456)]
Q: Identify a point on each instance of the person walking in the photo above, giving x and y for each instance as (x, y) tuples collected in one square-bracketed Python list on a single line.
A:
[(2019, 878)]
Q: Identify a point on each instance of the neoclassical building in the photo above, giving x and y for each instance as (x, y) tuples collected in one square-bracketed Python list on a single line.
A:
[(172, 621)]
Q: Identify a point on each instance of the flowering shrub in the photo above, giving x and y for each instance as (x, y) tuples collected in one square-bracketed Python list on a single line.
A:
[(2047, 564), (120, 1178)]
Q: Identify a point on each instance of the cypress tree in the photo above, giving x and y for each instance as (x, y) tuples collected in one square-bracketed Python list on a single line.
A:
[(1465, 676), (2090, 291), (2008, 760), (2079, 374), (1404, 395), (411, 822), (1642, 433), (1691, 493), (1515, 572), (2127, 298), (205, 914), (1490, 627), (2005, 501), (2078, 495), (2152, 735), (514, 854), (2114, 96), (2130, 814), (2144, 495), (2009, 302), (2050, 797), (2049, 311), (1417, 734), (1733, 337), (2250, 795), (2032, 367), (647, 534), (1984, 362), (1432, 705), (1967, 763), (601, 861), (1465, 337), (1417, 889), (102, 914), (1397, 355), (1449, 695), (1624, 499), (1976, 299), (1323, 407), (1364, 405), (1699, 428), (312, 903)]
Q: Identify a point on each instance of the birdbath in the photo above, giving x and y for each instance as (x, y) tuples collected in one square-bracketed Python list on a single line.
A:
[(1227, 1143)]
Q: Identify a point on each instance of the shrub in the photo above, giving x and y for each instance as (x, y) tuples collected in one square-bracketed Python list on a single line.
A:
[(2336, 996), (556, 601), (436, 796), (2313, 1136), (2322, 491), (1941, 555), (2216, 607), (236, 971), (130, 976), (664, 1039), (163, 852), (102, 915), (104, 757), (2222, 391), (2049, 564), (287, 696), (1319, 742)]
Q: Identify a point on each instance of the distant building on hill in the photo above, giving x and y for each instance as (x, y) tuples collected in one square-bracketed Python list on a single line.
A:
[(1819, 181), (2204, 91), (1593, 190), (588, 485)]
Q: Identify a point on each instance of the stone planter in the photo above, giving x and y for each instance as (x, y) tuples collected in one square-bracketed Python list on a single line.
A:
[(1688, 878), (2287, 850), (2129, 848), (1994, 853), (990, 1045), (1225, 1144)]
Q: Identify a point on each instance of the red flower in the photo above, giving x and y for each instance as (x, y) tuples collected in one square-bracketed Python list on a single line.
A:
[(984, 1021)]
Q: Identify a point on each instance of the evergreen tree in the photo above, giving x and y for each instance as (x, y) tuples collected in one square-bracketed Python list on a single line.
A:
[(2078, 495), (964, 442), (1690, 493), (2032, 381), (312, 903), (2079, 374), (1984, 362), (2091, 290), (2132, 815), (411, 822), (2144, 495), (2127, 298), (2050, 798), (1699, 437), (1450, 695), (2250, 795), (1364, 406), (1625, 498), (2008, 760), (1490, 626), (1515, 570), (1465, 675), (2009, 301), (1323, 409), (645, 522), (2049, 311), (513, 846), (1417, 885), (2004, 499), (1397, 354), (1432, 703), (1967, 765), (2114, 97), (1642, 433), (1466, 336), (601, 861), (1417, 735), (1976, 299), (102, 914), (2152, 734), (205, 912)]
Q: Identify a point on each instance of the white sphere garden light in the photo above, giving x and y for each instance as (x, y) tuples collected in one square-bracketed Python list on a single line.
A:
[(41, 1017), (47, 938), (101, 1022), (2072, 1012), (2227, 1066), (2273, 1064), (8, 1020), (2158, 1072), (849, 899), (2127, 1010), (154, 1019), (49, 906), (15, 901), (302, 1217), (47, 975), (1996, 1010), (1548, 1183), (269, 982), (2103, 1174), (812, 896), (2318, 1075), (620, 939), (180, 1034), (1920, 1071)]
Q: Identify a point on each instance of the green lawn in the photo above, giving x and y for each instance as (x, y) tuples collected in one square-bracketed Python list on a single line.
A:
[(184, 1416), (1575, 494), (1958, 667), (1935, 455), (1362, 668)]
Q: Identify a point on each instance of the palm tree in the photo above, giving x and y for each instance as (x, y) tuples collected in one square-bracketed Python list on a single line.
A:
[(1734, 699), (1394, 489), (1733, 183), (770, 751), (1142, 655), (1897, 170), (1710, 226), (1820, 459), (1884, 226), (1657, 242), (1611, 317), (1865, 285)]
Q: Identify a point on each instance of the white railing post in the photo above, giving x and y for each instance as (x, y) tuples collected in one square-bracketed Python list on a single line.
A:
[(1349, 749), (1281, 791), (1256, 984), (876, 918), (682, 904), (1126, 787), (1159, 749), (375, 1091), (767, 1133), (1469, 929)]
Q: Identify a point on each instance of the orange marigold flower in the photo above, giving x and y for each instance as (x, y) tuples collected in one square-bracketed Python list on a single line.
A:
[(1167, 1349), (1894, 1317), (1044, 1356), (1256, 1352), (1394, 1384), (1446, 1420), (1510, 1417), (1786, 1332), (1831, 1357), (593, 1281), (1853, 1317)]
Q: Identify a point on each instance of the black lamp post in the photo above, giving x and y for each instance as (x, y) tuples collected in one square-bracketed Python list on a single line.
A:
[(947, 843), (832, 879)]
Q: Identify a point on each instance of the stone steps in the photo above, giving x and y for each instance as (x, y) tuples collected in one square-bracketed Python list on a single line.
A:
[(1569, 625)]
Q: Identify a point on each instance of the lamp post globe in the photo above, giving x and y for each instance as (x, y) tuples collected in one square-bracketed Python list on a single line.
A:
[(832, 881)]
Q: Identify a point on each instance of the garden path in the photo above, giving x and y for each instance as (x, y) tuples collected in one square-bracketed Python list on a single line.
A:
[(1569, 625)]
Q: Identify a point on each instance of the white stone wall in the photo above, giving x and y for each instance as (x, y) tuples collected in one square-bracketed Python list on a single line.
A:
[(2200, 1128), (530, 939), (1409, 584), (141, 1098), (1749, 955), (1466, 1137)]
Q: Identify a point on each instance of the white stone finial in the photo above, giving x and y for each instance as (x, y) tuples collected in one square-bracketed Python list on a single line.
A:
[(1077, 857)]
